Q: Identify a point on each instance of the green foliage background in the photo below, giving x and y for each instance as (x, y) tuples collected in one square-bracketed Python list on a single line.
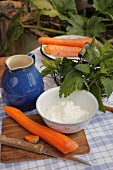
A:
[(71, 21)]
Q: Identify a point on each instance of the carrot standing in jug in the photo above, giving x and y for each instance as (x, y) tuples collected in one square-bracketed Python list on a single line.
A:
[(21, 82)]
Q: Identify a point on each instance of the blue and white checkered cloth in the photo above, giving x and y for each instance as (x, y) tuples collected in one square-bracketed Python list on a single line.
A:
[(99, 134)]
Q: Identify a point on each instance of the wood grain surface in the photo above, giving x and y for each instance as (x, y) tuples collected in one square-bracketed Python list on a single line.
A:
[(12, 129), (2, 67)]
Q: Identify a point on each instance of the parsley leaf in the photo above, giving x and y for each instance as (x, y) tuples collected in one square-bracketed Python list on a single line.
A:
[(83, 68), (96, 91), (108, 85), (73, 81)]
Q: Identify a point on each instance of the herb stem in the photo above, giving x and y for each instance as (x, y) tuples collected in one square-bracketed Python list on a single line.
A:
[(109, 25), (106, 19), (43, 29), (94, 80)]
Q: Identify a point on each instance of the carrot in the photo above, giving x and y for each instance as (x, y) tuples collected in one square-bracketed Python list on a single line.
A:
[(60, 141), (79, 42), (62, 51), (32, 138), (108, 108)]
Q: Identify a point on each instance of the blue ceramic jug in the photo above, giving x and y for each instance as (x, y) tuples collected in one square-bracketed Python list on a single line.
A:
[(21, 82)]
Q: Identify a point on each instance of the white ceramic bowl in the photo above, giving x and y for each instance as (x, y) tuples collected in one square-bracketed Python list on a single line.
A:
[(84, 99)]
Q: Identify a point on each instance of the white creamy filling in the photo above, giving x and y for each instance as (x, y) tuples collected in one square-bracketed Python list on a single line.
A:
[(66, 112)]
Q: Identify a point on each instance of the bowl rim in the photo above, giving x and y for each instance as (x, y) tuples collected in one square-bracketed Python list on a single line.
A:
[(68, 124)]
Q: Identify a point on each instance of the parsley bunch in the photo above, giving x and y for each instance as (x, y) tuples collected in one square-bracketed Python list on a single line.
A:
[(93, 73)]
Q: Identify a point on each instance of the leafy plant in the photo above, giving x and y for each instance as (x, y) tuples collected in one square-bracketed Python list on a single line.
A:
[(105, 7), (94, 72), (14, 31), (85, 26), (74, 23)]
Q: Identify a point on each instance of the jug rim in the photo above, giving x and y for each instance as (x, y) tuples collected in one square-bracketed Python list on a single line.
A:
[(18, 61)]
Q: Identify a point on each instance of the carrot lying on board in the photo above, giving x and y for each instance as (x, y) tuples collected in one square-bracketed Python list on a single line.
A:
[(62, 51), (32, 138), (61, 142), (79, 42)]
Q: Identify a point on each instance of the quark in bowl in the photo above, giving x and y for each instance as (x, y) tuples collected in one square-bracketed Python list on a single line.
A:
[(79, 102)]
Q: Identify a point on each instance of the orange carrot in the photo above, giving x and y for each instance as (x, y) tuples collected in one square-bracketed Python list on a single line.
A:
[(62, 51), (108, 108), (60, 141), (32, 138), (79, 42)]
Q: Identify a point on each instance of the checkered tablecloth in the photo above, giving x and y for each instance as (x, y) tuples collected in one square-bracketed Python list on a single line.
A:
[(99, 134)]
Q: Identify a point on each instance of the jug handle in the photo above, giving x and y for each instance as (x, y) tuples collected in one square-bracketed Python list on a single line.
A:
[(32, 55)]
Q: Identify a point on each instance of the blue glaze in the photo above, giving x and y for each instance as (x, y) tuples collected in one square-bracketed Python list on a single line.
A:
[(32, 55), (21, 87)]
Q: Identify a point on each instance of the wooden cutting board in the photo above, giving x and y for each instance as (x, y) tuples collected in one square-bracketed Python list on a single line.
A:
[(2, 67), (11, 128)]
